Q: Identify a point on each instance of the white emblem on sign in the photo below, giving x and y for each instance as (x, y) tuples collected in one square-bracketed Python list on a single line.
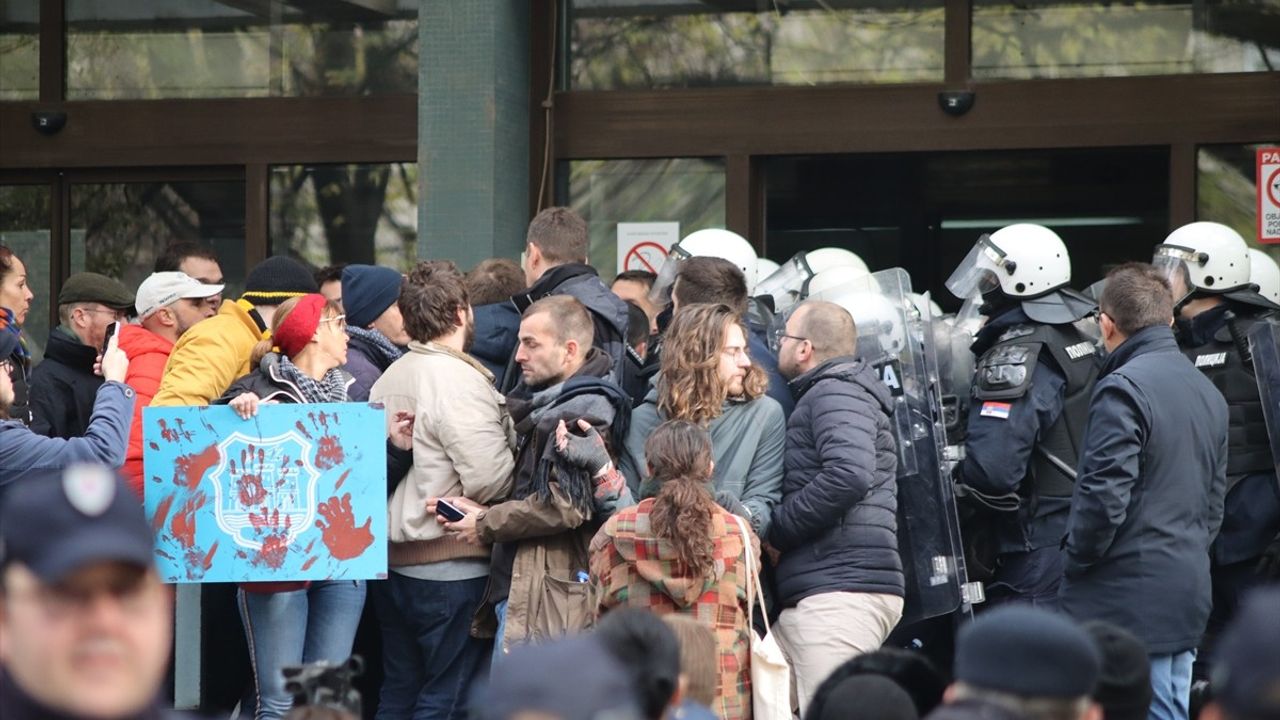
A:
[(89, 488), (1211, 360), (256, 478)]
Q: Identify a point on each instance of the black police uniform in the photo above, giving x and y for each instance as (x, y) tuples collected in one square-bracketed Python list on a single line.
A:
[(1215, 343), (1030, 401)]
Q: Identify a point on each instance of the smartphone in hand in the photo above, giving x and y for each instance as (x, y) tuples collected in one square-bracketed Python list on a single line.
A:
[(448, 511), (106, 340)]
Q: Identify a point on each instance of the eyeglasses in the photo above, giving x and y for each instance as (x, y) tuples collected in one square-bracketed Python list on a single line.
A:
[(341, 321), (797, 338)]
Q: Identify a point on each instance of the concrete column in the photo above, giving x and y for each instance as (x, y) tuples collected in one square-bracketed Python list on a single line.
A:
[(473, 129)]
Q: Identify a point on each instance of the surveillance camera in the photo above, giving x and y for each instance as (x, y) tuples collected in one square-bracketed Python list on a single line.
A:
[(50, 122), (956, 103)]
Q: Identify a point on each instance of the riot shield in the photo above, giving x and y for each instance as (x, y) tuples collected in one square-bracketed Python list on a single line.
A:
[(898, 341), (1264, 350)]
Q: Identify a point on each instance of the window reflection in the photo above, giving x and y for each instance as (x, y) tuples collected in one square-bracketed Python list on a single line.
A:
[(629, 44), (209, 49), (118, 229), (1052, 38), (19, 50), (689, 191), (330, 214)]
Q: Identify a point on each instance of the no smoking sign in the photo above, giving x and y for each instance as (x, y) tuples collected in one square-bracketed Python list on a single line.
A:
[(645, 256), (1269, 195)]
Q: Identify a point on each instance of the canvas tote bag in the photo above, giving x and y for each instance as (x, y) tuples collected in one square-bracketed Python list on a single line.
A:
[(770, 672)]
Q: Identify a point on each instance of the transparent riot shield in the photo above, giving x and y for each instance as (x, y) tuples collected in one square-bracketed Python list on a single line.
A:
[(898, 341), (1264, 351)]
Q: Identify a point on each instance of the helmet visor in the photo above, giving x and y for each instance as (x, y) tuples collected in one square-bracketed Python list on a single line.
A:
[(785, 283), (1174, 262), (976, 274), (660, 293)]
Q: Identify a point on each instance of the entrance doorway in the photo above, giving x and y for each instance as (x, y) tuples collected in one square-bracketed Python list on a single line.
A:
[(923, 211)]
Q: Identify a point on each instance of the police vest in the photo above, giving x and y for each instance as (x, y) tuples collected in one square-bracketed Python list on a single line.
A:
[(1248, 444), (1004, 373)]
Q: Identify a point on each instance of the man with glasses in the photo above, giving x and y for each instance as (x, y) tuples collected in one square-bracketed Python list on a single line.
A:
[(64, 385), (839, 575), (84, 619)]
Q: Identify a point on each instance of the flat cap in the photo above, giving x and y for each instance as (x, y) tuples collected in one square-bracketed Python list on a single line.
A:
[(92, 287)]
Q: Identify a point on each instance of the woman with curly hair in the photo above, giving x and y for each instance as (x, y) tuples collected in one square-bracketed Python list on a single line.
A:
[(681, 553), (708, 379)]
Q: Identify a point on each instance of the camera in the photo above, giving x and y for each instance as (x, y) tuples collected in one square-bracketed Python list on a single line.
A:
[(49, 122), (956, 103)]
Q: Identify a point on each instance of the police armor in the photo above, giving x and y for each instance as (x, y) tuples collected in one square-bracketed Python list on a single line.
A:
[(1224, 360), (1004, 373)]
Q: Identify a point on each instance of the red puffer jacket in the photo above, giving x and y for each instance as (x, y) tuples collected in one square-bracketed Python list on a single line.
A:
[(148, 354)]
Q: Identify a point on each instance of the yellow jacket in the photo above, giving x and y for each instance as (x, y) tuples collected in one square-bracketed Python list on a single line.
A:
[(210, 356)]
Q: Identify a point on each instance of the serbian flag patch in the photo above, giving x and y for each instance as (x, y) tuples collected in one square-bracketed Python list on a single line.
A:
[(995, 410)]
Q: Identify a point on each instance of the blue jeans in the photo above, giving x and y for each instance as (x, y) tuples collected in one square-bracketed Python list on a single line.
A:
[(429, 658), (499, 609), (1171, 686), (297, 627)]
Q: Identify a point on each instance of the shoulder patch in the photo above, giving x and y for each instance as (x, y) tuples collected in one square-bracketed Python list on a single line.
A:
[(998, 410), (1014, 333), (1211, 360), (1004, 373)]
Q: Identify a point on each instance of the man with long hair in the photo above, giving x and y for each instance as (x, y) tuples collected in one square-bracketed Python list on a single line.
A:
[(708, 378)]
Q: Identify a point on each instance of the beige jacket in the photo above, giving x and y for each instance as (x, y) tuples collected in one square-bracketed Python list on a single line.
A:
[(463, 443)]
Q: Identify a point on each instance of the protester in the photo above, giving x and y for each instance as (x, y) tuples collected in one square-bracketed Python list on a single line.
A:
[(15, 301), (1124, 683), (1018, 661), (541, 535), (491, 285), (637, 335), (708, 379), (64, 385), (1149, 491), (707, 279), (168, 304), (682, 553), (574, 678), (206, 360), (635, 286), (85, 622), (1246, 680), (866, 697), (375, 325), (839, 575), (293, 623), (637, 372), (23, 453), (555, 264), (650, 652), (462, 441), (909, 670), (699, 661), (329, 280), (193, 259)]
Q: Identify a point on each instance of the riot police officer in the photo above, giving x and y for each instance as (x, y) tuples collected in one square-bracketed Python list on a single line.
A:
[(1216, 304), (1034, 375)]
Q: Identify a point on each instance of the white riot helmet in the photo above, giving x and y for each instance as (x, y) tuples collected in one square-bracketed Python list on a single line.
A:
[(1022, 260), (1265, 273), (834, 279), (1203, 257), (923, 303), (788, 284), (875, 316), (713, 242), (766, 267)]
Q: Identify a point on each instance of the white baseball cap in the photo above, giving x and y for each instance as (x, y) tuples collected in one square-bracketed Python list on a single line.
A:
[(164, 288)]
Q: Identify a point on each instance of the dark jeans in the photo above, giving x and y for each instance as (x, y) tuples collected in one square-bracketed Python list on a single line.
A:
[(1031, 577), (429, 657)]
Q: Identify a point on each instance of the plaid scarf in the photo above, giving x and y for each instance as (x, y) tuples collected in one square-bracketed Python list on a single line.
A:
[(390, 353), (332, 388), (9, 325)]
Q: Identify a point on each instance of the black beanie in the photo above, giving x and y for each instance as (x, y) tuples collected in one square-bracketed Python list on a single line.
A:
[(1021, 650), (277, 279), (1124, 685), (367, 292), (874, 697)]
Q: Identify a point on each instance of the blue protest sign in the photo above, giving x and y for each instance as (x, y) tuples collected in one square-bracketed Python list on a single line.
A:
[(296, 493)]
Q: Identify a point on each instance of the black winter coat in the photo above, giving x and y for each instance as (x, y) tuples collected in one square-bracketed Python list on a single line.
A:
[(837, 524), (63, 387), (1148, 496)]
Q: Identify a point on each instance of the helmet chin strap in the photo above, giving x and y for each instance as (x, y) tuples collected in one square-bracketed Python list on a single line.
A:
[(994, 302)]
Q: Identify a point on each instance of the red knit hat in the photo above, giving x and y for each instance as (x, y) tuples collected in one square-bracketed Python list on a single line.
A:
[(300, 325)]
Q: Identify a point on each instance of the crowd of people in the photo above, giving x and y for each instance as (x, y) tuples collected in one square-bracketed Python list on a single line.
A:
[(599, 496)]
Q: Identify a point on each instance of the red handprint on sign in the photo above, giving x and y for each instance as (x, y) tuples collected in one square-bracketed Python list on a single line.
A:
[(248, 476), (340, 535)]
